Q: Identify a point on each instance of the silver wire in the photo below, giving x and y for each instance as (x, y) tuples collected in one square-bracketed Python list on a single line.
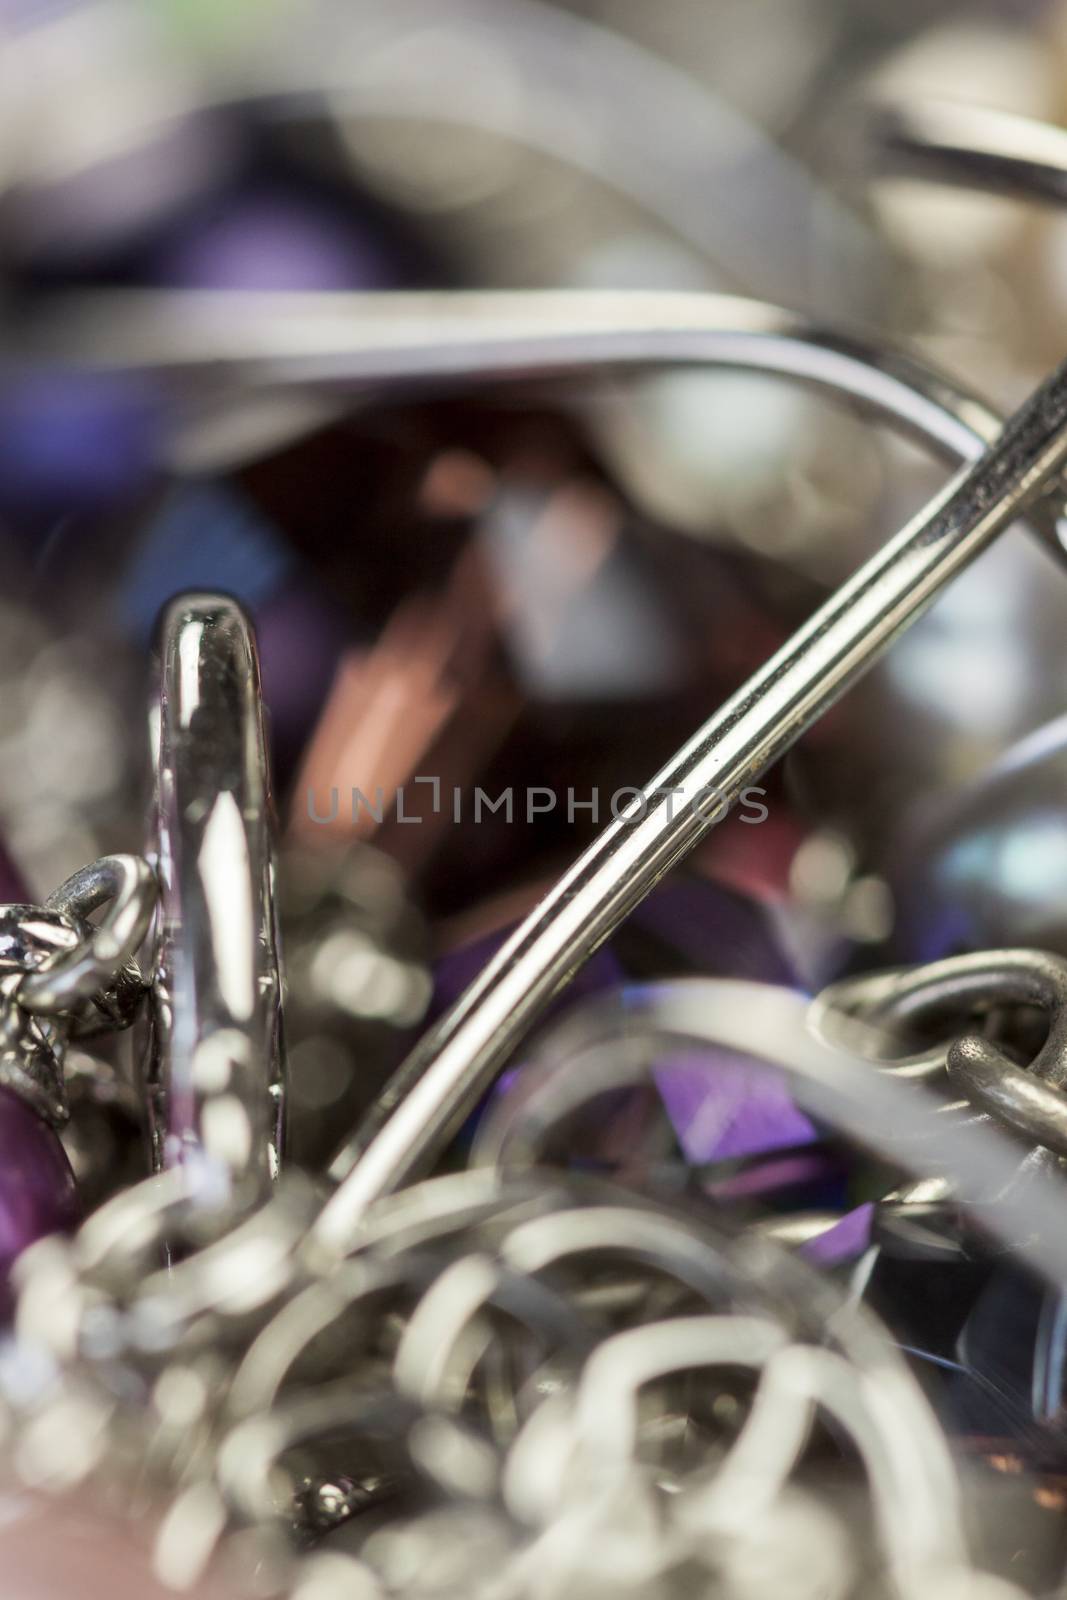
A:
[(974, 147), (215, 1079), (443, 1077)]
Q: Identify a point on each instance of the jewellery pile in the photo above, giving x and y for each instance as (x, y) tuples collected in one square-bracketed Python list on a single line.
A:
[(409, 1190)]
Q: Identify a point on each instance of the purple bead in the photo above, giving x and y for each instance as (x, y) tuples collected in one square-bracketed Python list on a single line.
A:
[(723, 1107), (38, 1195), (845, 1241)]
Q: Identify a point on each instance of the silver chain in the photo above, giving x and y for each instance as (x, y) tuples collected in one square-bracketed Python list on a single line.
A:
[(63, 977)]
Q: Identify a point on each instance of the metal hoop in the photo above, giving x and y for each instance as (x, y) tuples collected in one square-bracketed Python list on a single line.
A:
[(103, 959), (216, 1083), (352, 344)]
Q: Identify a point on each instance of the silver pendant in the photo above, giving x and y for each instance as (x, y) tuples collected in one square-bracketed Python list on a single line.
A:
[(215, 1080)]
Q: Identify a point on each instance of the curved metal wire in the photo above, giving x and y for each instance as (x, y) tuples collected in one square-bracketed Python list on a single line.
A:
[(102, 958), (973, 147), (452, 1065)]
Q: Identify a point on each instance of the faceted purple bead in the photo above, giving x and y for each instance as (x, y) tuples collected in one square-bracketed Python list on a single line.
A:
[(37, 1189), (724, 1108), (845, 1241)]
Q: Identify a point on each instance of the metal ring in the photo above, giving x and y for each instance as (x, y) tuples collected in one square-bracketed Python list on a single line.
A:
[(353, 343), (864, 1013), (613, 1040), (215, 1079), (98, 963), (1014, 1096)]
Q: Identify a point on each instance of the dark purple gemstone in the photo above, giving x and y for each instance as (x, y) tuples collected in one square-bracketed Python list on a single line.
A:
[(723, 1107), (844, 1241), (37, 1189)]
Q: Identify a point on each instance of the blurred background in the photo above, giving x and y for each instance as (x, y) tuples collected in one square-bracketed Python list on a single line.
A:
[(545, 583)]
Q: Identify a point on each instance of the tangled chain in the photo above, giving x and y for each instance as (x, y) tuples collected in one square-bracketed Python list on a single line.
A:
[(529, 1385)]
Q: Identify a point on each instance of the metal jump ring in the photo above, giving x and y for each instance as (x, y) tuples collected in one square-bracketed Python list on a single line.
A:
[(103, 960), (865, 1012), (1030, 1100), (215, 1080), (381, 340), (1013, 1095)]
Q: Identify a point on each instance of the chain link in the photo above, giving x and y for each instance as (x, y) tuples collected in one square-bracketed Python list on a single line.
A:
[(64, 977)]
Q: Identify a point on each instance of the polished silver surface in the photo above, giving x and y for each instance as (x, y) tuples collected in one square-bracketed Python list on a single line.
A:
[(63, 977), (215, 1081), (442, 1078), (490, 1337), (355, 343), (1020, 1099), (351, 343), (973, 147), (869, 1013), (103, 959), (410, 337)]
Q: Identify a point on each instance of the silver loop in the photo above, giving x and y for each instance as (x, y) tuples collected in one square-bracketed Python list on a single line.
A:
[(98, 962), (865, 1013), (215, 1081), (868, 1012), (392, 339), (1014, 1096)]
